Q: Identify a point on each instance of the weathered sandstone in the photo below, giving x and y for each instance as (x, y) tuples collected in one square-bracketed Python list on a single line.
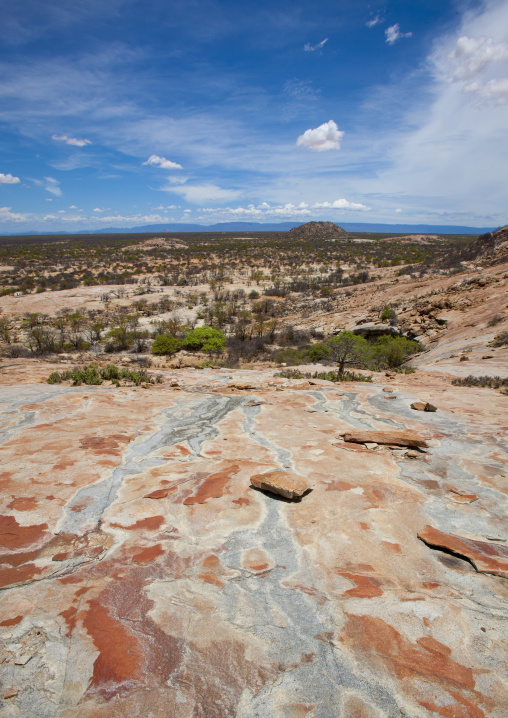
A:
[(282, 483), (395, 438)]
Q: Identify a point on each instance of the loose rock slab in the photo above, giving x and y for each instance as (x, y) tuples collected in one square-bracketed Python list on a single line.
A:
[(283, 483), (397, 438)]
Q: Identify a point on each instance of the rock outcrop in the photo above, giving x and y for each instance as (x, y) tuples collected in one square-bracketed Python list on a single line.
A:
[(318, 230), (141, 574)]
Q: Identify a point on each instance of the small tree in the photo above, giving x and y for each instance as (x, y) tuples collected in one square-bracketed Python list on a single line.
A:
[(166, 344), (348, 348), (206, 339)]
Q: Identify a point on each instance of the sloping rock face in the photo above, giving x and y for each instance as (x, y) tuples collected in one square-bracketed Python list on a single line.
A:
[(141, 574), (318, 230)]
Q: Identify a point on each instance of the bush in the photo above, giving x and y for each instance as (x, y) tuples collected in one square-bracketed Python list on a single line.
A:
[(166, 344), (493, 382), (319, 351), (391, 352), (501, 340), (387, 314), (93, 375), (206, 339), (326, 375), (495, 321)]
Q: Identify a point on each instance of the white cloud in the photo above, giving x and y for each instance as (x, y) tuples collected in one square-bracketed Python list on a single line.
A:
[(311, 48), (325, 137), (473, 55), (97, 209), (374, 21), (203, 193), (8, 179), (52, 186), (7, 216), (163, 163), (74, 141), (494, 92), (342, 204), (393, 34)]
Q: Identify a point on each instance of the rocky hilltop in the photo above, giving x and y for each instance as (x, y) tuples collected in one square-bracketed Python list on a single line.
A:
[(318, 230)]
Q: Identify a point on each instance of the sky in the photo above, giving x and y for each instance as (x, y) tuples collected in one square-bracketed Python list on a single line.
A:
[(125, 113)]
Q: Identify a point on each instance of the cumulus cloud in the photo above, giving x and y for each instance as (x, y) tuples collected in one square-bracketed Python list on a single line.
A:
[(473, 61), (325, 137), (473, 55), (342, 204), (8, 179), (203, 193), (312, 48), (393, 34), (7, 216), (163, 163), (374, 21), (74, 141), (52, 186)]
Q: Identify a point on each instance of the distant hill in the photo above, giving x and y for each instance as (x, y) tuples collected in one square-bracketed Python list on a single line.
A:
[(178, 227)]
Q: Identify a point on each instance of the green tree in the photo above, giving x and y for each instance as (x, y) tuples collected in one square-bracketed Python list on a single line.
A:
[(206, 339), (348, 348), (166, 344)]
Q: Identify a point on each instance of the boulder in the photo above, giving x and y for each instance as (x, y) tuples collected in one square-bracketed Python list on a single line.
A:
[(423, 406), (370, 329), (283, 483), (396, 438)]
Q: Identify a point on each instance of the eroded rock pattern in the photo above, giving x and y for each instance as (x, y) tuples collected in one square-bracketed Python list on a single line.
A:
[(142, 575)]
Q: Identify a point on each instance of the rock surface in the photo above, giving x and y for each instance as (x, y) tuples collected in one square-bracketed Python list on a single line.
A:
[(282, 483), (141, 576)]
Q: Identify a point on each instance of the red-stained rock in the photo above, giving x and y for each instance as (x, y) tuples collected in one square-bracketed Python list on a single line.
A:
[(485, 557), (151, 523), (212, 487), (282, 483), (160, 493), (12, 621), (396, 438), (13, 536)]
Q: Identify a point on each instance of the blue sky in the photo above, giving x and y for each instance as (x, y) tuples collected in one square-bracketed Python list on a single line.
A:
[(123, 113)]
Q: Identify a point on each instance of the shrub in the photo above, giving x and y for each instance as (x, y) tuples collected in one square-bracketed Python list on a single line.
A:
[(501, 340), (326, 375), (319, 351), (94, 375), (206, 339), (495, 321), (166, 344), (493, 382), (387, 314), (393, 351)]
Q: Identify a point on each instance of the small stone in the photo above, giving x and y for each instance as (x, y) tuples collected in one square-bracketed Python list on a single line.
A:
[(371, 445), (430, 407), (488, 356), (418, 406), (387, 388), (464, 358), (412, 454), (283, 483), (10, 693), (390, 437), (392, 396)]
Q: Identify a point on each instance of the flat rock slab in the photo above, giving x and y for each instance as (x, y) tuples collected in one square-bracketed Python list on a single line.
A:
[(396, 438), (283, 483), (485, 557)]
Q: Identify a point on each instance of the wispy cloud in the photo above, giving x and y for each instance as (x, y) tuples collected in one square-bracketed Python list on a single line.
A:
[(393, 34), (473, 55), (323, 138), (374, 21), (52, 186), (8, 179), (203, 193), (74, 141), (163, 163), (312, 48)]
